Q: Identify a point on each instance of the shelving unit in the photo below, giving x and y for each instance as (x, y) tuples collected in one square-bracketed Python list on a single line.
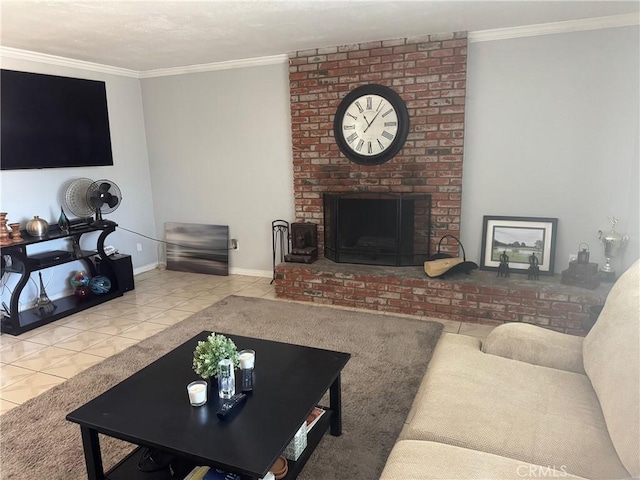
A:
[(127, 468), (24, 265)]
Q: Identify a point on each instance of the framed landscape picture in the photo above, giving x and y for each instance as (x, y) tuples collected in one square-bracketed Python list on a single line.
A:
[(522, 240)]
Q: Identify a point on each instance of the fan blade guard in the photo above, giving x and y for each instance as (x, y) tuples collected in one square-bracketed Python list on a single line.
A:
[(75, 197)]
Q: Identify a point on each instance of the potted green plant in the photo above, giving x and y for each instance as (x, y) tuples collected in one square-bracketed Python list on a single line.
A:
[(209, 352)]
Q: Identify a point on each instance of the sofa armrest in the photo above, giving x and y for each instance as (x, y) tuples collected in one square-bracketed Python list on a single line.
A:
[(536, 345)]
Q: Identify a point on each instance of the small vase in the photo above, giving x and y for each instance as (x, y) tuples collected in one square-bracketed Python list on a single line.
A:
[(37, 227), (63, 222)]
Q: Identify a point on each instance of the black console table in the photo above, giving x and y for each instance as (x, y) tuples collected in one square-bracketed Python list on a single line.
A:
[(21, 263)]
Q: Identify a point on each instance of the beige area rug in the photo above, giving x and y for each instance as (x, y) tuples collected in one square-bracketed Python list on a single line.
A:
[(389, 358)]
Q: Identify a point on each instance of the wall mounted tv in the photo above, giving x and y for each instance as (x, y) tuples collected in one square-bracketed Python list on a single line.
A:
[(48, 121)]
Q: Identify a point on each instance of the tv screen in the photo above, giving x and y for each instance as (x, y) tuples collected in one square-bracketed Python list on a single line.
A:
[(48, 121)]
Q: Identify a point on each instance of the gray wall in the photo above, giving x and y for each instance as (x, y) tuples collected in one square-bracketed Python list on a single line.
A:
[(25, 193), (552, 131), (220, 153)]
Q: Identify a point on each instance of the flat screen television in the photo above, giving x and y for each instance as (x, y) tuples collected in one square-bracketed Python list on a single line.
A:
[(48, 121)]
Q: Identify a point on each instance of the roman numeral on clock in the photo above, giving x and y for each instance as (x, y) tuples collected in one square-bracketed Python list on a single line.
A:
[(369, 103), (360, 144), (390, 124), (387, 112), (380, 144), (387, 135), (352, 137), (359, 107), (355, 118), (349, 127), (369, 148)]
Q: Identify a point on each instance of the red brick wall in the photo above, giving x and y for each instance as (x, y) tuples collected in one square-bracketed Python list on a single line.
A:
[(479, 298), (429, 73)]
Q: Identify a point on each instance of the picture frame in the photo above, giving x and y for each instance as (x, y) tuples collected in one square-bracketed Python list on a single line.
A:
[(519, 238)]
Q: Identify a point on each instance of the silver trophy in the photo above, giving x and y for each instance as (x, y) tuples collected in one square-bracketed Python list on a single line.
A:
[(612, 242)]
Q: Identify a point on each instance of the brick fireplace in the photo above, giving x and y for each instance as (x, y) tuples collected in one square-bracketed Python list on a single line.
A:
[(429, 73)]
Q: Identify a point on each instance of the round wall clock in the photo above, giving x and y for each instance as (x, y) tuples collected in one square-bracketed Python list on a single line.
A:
[(371, 124)]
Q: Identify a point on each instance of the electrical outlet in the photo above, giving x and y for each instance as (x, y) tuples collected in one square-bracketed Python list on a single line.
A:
[(235, 245), (572, 258), (139, 246)]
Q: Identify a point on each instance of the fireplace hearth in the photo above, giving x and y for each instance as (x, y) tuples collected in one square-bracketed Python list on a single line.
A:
[(377, 229)]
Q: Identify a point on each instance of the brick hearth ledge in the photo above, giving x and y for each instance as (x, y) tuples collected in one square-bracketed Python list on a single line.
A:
[(480, 297)]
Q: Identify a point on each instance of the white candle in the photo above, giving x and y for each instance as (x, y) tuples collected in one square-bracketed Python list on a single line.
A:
[(197, 393), (247, 359)]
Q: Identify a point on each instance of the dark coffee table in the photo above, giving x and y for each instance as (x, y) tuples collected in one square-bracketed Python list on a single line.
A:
[(151, 409)]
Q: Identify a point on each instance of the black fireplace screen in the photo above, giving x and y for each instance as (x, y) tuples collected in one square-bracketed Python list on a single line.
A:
[(377, 229)]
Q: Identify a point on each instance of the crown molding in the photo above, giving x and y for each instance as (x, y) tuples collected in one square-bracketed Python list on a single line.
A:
[(15, 53), (614, 21), (209, 67)]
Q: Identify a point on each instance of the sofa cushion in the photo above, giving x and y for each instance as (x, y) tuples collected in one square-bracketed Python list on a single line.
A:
[(611, 354), (533, 344), (526, 412), (420, 460)]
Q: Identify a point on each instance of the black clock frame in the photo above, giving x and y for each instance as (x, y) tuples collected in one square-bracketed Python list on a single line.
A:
[(403, 124)]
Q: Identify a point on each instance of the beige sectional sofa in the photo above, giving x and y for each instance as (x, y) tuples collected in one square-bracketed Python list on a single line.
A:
[(530, 402)]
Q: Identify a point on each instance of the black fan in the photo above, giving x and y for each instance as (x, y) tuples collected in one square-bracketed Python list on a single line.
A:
[(104, 197)]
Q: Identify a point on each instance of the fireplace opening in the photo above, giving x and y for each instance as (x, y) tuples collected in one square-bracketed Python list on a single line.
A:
[(377, 229)]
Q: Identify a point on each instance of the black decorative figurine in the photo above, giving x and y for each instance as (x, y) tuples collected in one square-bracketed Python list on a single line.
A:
[(503, 268), (534, 270)]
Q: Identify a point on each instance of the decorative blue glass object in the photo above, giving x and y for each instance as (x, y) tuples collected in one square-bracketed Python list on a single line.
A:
[(63, 222), (100, 285)]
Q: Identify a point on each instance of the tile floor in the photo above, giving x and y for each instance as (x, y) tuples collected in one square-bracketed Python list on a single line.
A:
[(47, 356)]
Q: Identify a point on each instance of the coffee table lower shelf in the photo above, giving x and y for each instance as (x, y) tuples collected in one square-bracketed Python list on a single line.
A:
[(127, 468)]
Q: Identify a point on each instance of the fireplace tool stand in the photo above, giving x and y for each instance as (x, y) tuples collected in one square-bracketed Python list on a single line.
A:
[(280, 242)]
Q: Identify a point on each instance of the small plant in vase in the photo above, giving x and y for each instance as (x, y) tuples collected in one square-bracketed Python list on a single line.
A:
[(208, 353)]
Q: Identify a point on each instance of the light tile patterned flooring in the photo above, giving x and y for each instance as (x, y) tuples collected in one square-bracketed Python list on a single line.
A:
[(40, 359)]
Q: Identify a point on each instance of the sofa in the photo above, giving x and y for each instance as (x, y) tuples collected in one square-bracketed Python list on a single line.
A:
[(529, 402)]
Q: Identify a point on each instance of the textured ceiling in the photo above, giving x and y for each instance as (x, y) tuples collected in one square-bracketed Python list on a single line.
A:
[(146, 35)]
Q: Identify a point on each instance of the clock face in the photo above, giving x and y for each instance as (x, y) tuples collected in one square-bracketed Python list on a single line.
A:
[(371, 124)]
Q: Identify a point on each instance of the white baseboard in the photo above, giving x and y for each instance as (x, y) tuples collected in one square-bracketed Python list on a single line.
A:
[(250, 272), (145, 268)]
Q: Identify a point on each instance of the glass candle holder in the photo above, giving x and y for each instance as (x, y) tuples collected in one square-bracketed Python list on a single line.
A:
[(197, 393), (247, 360)]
